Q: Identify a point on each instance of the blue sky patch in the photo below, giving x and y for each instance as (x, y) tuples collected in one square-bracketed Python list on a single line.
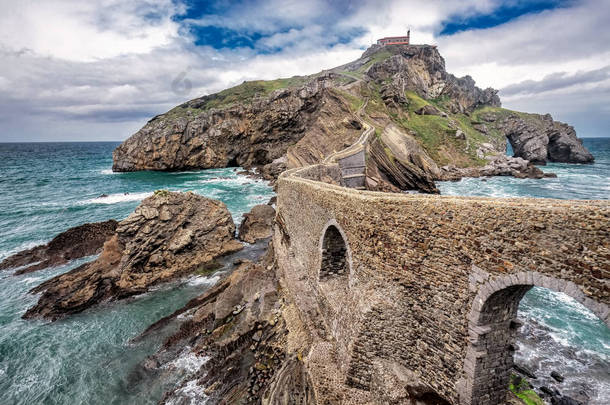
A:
[(503, 14)]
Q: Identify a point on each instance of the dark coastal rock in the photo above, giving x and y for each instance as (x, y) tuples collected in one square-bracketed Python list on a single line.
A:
[(80, 241), (521, 369), (237, 324), (556, 376), (168, 235), (563, 400), (499, 165), (257, 224)]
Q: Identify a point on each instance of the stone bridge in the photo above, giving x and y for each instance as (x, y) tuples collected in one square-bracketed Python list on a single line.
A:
[(397, 288)]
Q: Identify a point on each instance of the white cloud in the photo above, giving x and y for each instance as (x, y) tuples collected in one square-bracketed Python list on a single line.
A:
[(86, 30)]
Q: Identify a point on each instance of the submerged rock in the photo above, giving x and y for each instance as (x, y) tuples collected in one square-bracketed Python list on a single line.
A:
[(257, 224), (80, 241), (556, 376), (168, 235)]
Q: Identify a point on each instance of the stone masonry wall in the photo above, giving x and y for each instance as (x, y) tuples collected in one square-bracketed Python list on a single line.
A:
[(423, 271)]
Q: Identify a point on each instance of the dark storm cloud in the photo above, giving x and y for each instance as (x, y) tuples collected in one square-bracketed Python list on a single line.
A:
[(555, 81)]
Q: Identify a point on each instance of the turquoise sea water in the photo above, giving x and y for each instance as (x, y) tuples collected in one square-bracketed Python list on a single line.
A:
[(560, 333), (89, 359)]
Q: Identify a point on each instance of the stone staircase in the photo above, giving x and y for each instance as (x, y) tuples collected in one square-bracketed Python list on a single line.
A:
[(352, 162)]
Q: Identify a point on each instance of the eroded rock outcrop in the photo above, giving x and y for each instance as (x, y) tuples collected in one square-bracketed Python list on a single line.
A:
[(540, 139), (237, 324), (257, 224), (394, 169), (421, 68), (500, 165), (168, 236), (250, 128), (79, 241)]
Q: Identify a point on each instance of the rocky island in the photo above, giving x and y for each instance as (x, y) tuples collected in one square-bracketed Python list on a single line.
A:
[(429, 125)]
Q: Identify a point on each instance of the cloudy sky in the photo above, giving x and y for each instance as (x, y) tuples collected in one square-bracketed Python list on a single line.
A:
[(99, 69)]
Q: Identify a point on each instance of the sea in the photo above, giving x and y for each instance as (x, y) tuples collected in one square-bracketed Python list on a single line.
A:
[(93, 357)]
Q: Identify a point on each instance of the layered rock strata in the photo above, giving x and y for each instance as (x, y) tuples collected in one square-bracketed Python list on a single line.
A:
[(79, 241), (257, 224), (287, 123), (238, 326), (168, 236)]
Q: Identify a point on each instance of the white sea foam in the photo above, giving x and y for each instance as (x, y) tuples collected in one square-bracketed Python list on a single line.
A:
[(108, 171), (191, 392), (31, 280), (116, 198), (202, 280), (188, 361)]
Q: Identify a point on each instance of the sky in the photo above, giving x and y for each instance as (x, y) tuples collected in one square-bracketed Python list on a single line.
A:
[(97, 70)]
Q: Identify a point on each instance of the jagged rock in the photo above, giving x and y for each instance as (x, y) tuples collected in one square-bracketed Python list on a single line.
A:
[(80, 241), (257, 224), (240, 130), (421, 68), (168, 235), (396, 162), (309, 118), (430, 110), (525, 371), (481, 128), (244, 347), (556, 376), (272, 170), (563, 400), (540, 139)]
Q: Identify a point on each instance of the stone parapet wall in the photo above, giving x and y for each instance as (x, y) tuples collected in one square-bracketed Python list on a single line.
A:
[(421, 270)]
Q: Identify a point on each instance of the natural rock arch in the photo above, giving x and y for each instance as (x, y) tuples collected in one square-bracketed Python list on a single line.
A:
[(335, 255), (493, 327)]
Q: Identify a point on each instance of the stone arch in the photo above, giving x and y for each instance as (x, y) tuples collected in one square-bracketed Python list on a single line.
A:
[(335, 253), (492, 331)]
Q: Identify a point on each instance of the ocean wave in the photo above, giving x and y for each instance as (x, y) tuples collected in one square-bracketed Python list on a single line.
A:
[(116, 198), (191, 392), (23, 246), (31, 280), (188, 361), (203, 280), (108, 171)]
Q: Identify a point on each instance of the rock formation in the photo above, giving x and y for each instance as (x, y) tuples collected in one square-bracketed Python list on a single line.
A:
[(257, 224), (238, 325), (168, 236), (539, 139), (287, 123), (80, 241)]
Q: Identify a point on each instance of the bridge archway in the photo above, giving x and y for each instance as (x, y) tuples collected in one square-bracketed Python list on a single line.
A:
[(493, 328), (335, 254)]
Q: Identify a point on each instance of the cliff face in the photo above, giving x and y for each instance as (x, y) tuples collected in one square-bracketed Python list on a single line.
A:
[(286, 123), (246, 127), (538, 138)]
